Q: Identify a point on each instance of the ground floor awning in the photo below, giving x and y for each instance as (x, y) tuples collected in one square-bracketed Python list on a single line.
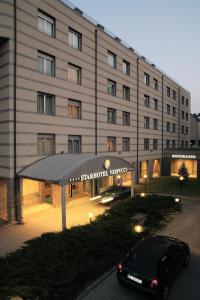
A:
[(67, 168)]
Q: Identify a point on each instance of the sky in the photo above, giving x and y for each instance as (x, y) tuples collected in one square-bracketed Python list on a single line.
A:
[(165, 31)]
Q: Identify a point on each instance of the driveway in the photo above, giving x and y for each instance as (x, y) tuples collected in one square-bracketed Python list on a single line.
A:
[(44, 218), (186, 227)]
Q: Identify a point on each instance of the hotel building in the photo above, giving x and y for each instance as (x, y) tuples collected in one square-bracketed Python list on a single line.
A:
[(70, 87)]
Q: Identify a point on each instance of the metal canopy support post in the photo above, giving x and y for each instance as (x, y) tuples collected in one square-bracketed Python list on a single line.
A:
[(132, 184), (63, 195)]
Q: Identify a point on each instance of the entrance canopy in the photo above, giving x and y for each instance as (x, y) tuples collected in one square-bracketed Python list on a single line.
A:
[(69, 168)]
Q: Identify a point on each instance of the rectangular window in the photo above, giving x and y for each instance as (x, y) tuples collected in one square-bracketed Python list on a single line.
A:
[(146, 79), (111, 59), (186, 102), (168, 144), (173, 127), (174, 111), (125, 144), (75, 39), (186, 116), (155, 84), (46, 24), (74, 73), (126, 118), (183, 115), (74, 109), (186, 144), (186, 130), (45, 104), (146, 101), (146, 144), (111, 115), (111, 87), (126, 67), (146, 122), (168, 91), (182, 144), (111, 144), (173, 144), (174, 95), (74, 143), (155, 102), (183, 100), (45, 144), (155, 144), (182, 129), (168, 126), (168, 109), (155, 124), (46, 64), (126, 93)]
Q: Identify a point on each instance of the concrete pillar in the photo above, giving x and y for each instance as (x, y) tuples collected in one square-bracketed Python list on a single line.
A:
[(132, 184), (19, 201), (63, 194), (150, 167)]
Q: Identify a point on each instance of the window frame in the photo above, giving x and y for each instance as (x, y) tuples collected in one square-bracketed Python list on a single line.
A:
[(75, 138), (146, 79), (79, 73), (126, 92), (75, 103), (112, 139), (75, 33), (155, 84), (113, 113), (126, 113), (44, 99), (124, 140), (48, 19), (113, 86), (44, 136), (146, 122), (126, 69), (146, 144), (114, 58), (46, 57), (146, 100)]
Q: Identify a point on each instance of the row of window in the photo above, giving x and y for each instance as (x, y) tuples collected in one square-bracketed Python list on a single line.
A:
[(46, 24), (184, 115), (111, 116), (46, 144), (46, 65)]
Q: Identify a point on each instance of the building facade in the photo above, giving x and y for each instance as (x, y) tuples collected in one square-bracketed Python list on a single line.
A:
[(69, 86), (195, 130)]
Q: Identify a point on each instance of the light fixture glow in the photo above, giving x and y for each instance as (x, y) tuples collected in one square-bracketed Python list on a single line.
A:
[(142, 194), (138, 228), (177, 200)]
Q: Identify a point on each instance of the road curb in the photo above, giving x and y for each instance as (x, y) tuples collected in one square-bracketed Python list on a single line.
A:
[(87, 290)]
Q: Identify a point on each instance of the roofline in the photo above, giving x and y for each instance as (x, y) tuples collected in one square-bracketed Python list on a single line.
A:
[(82, 14)]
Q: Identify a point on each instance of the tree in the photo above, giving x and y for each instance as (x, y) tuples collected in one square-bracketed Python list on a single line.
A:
[(183, 171)]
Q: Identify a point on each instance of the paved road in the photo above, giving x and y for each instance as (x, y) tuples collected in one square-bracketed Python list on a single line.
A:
[(187, 286)]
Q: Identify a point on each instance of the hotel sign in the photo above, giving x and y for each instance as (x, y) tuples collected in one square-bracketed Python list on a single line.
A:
[(184, 156)]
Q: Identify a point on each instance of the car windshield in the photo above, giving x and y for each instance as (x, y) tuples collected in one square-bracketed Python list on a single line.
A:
[(114, 191)]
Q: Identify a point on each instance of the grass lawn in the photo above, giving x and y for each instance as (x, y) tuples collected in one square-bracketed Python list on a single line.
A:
[(59, 265), (171, 185)]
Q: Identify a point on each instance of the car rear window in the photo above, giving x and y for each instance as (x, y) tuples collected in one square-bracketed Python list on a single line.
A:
[(143, 264)]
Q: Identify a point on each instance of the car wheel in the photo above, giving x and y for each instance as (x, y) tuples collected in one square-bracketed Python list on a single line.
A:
[(186, 261)]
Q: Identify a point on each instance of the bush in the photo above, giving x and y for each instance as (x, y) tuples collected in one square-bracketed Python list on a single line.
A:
[(60, 265)]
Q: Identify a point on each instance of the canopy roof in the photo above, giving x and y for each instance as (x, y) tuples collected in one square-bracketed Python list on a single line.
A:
[(61, 168)]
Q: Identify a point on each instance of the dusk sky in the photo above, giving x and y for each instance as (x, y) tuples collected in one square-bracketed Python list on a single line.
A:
[(166, 32)]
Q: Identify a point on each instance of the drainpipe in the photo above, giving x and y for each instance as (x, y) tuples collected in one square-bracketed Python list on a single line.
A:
[(95, 185), (137, 135), (179, 113), (162, 145), (14, 104)]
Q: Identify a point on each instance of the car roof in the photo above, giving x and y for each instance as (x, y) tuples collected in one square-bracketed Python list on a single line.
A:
[(156, 246)]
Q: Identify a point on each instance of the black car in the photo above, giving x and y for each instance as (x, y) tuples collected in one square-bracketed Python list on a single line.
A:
[(114, 193), (153, 264)]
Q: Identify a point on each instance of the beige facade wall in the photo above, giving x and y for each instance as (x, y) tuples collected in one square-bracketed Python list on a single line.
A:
[(29, 82)]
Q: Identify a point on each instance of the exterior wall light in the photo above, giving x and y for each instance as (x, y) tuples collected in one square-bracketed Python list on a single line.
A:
[(138, 228), (177, 200), (142, 194), (90, 216), (181, 178)]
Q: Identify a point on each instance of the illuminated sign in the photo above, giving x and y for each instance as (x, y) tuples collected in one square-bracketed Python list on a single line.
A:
[(106, 164), (185, 156), (100, 174)]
